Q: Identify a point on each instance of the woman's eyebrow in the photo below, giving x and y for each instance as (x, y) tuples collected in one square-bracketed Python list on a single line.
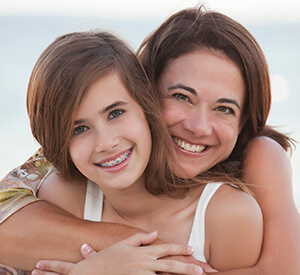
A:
[(113, 105), (181, 86), (227, 100)]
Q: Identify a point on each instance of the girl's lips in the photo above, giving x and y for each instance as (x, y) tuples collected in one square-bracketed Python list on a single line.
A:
[(115, 160)]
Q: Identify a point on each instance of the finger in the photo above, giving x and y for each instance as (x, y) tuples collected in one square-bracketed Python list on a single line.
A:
[(87, 251), (140, 239), (205, 266), (42, 272), (172, 266), (163, 250), (59, 267)]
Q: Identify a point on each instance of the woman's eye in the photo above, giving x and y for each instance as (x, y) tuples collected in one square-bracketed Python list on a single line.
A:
[(225, 110), (115, 113), (80, 129), (181, 97)]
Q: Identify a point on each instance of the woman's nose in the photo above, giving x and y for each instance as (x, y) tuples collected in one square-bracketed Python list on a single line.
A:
[(198, 122)]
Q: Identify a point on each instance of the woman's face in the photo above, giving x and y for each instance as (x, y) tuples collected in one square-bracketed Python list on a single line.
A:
[(112, 142), (203, 96)]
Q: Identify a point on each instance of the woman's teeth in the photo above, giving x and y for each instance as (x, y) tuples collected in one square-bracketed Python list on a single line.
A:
[(188, 147), (115, 162)]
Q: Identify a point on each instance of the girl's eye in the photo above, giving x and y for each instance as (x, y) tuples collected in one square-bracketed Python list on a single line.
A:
[(115, 113), (80, 129), (225, 110), (181, 97)]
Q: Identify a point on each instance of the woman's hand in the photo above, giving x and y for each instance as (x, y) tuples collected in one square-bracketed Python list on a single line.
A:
[(125, 257)]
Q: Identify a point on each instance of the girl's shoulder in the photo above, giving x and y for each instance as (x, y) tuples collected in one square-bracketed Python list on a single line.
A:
[(67, 194), (233, 229)]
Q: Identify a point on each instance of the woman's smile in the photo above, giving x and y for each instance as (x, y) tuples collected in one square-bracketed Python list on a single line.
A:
[(193, 148), (203, 97)]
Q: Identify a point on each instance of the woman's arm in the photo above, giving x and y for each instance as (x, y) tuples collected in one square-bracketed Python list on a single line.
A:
[(43, 230), (268, 172), (19, 187)]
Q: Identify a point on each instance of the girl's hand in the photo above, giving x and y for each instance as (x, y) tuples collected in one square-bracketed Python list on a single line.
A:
[(126, 257)]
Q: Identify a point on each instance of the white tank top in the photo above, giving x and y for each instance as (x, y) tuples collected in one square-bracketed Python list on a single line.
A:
[(94, 203)]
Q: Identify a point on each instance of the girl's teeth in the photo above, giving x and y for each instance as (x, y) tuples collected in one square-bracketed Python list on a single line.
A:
[(116, 161)]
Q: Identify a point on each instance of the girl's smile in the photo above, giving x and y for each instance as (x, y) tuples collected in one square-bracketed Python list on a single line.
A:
[(117, 162), (112, 141)]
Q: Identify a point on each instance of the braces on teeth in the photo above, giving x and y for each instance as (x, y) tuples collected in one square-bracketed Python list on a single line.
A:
[(116, 161)]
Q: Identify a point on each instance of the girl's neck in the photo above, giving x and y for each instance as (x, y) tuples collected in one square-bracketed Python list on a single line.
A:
[(133, 203), (136, 207)]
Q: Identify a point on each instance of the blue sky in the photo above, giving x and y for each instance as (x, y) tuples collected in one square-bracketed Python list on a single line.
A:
[(246, 11)]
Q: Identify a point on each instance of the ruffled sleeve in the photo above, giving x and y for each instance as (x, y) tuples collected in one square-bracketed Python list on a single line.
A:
[(20, 186)]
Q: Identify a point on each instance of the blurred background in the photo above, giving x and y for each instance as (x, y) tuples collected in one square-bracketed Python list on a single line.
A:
[(28, 26)]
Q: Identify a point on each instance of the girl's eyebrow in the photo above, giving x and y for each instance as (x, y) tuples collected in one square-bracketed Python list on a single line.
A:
[(113, 105), (227, 100), (181, 86), (104, 110)]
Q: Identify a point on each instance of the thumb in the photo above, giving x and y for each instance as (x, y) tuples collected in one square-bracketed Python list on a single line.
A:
[(140, 239), (87, 251)]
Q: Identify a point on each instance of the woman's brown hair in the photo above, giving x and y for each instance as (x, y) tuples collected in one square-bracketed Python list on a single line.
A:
[(60, 78), (195, 29)]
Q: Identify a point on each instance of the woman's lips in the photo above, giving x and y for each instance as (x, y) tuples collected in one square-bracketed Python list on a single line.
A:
[(193, 148)]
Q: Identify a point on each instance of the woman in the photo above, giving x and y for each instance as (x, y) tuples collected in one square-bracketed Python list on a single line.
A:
[(279, 193)]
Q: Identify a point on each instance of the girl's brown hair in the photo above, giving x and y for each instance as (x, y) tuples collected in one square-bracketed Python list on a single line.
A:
[(193, 29), (60, 78)]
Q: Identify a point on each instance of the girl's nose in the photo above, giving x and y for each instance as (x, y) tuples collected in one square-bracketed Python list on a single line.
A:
[(105, 141)]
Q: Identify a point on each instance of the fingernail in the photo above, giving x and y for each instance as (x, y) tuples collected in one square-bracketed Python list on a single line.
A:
[(152, 233), (34, 272), (38, 266), (190, 249), (85, 248), (198, 270)]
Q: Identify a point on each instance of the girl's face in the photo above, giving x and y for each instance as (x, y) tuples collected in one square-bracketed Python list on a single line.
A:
[(203, 96), (112, 142)]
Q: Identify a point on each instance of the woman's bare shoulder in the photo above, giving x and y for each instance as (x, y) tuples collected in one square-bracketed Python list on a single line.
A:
[(264, 149)]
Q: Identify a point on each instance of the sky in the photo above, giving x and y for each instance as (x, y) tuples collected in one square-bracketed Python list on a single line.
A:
[(246, 11)]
